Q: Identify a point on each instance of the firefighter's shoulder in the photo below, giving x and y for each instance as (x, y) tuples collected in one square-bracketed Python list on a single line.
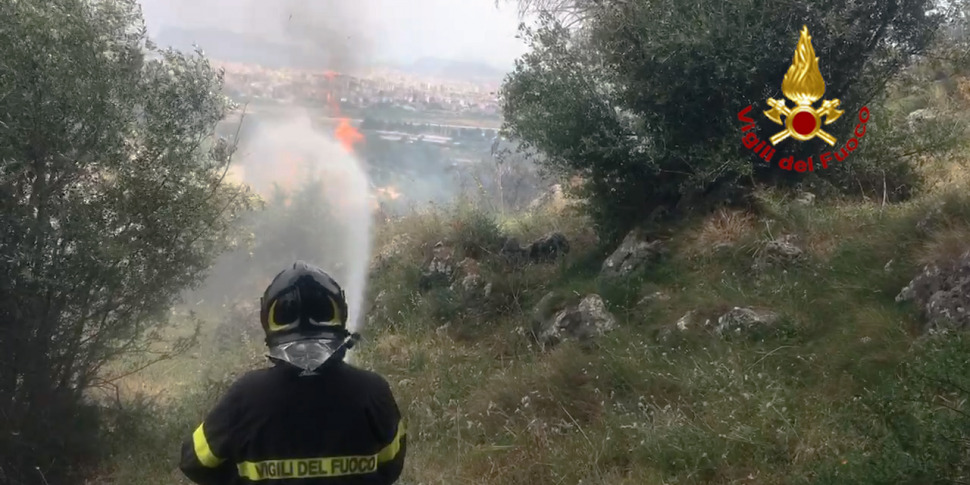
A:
[(368, 380)]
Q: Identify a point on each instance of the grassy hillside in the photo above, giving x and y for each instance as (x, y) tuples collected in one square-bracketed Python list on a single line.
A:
[(841, 390)]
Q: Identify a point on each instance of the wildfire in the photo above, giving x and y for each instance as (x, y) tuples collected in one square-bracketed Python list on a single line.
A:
[(346, 133), (389, 192)]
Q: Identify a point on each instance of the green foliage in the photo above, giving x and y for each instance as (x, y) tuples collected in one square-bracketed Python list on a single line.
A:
[(642, 99), (916, 420), (819, 397), (475, 232), (112, 202)]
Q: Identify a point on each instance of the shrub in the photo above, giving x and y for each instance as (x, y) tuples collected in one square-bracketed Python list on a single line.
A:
[(917, 422), (641, 101)]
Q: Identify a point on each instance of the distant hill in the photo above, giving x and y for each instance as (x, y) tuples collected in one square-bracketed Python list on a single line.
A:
[(235, 47), (453, 69)]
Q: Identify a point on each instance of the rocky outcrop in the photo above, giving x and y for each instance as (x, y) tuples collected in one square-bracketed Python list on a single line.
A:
[(743, 320), (513, 253), (441, 268), (657, 296), (390, 251), (545, 249), (690, 321), (469, 280), (548, 248), (587, 320), (632, 254), (778, 252), (462, 277), (917, 118), (942, 293), (931, 219)]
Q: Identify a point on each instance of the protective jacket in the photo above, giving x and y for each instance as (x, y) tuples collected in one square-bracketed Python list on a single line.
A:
[(339, 427)]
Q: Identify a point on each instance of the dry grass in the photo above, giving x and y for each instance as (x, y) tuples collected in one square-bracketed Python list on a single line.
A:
[(486, 407), (724, 227), (945, 245)]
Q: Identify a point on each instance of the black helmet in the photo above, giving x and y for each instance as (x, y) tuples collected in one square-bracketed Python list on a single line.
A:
[(303, 302)]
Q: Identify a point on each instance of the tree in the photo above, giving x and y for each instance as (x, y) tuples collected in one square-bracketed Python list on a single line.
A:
[(641, 99), (112, 201)]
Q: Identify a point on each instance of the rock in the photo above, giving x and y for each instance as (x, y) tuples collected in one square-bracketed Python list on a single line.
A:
[(778, 252), (513, 253), (919, 117), (689, 321), (805, 198), (389, 252), (441, 269), (470, 282), (943, 294), (931, 219), (585, 321), (545, 249), (548, 248), (652, 298), (686, 321), (469, 279), (469, 266), (633, 253), (740, 319), (545, 308)]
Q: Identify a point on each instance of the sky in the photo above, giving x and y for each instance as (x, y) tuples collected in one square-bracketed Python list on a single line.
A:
[(379, 30)]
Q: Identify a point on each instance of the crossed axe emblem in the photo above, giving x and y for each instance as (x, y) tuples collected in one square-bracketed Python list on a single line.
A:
[(803, 122)]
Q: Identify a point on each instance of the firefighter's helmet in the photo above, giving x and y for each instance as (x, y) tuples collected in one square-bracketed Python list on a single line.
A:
[(303, 303)]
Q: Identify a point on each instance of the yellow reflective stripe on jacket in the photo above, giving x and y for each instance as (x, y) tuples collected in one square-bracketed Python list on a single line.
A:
[(202, 450), (321, 467), (391, 450)]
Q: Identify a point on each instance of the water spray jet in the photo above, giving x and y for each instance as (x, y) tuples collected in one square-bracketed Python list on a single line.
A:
[(291, 151)]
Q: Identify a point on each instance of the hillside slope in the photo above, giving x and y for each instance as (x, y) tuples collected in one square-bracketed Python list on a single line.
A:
[(824, 378)]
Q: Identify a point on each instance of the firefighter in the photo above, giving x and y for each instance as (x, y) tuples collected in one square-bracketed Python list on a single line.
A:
[(310, 418)]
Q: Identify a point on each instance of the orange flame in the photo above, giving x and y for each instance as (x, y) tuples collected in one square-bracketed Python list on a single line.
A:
[(390, 192), (346, 133)]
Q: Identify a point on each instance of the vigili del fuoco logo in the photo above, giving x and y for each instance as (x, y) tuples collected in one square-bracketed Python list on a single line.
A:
[(803, 85)]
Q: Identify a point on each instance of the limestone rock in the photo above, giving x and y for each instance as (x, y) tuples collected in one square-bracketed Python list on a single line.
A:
[(632, 254), (587, 320), (441, 268), (742, 319), (778, 252), (548, 248), (805, 198), (943, 294)]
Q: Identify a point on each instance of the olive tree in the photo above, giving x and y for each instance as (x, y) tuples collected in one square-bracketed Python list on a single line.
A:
[(112, 201), (641, 98)]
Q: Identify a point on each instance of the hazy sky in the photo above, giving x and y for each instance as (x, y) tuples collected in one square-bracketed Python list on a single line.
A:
[(394, 30)]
